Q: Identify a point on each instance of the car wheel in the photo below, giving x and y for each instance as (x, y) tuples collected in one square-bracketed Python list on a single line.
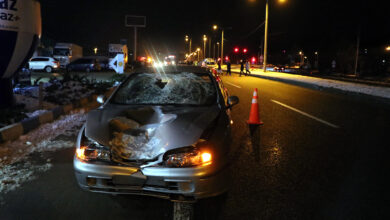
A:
[(48, 69), (88, 70)]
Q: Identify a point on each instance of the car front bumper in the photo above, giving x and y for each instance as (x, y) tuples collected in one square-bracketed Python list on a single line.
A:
[(176, 184)]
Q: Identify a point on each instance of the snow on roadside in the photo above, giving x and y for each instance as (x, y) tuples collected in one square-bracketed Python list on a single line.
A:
[(15, 167), (36, 113), (378, 91), (11, 176)]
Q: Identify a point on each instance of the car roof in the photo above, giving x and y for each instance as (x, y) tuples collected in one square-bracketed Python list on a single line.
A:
[(42, 57)]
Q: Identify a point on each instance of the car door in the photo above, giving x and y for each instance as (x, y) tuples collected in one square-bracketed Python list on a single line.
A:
[(33, 64), (43, 63)]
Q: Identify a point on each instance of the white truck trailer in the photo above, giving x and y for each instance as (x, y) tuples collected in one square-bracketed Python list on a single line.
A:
[(66, 53)]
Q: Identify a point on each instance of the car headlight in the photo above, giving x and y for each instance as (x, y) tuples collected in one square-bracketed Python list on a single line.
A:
[(91, 150), (187, 157)]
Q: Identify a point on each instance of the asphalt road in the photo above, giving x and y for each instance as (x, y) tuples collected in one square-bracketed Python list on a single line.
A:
[(320, 156)]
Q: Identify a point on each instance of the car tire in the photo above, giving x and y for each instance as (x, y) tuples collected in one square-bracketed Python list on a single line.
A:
[(48, 69)]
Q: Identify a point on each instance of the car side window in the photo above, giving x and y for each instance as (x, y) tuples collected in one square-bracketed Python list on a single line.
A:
[(224, 91), (34, 60)]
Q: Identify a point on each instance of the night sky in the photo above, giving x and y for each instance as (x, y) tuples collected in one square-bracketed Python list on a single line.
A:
[(309, 25)]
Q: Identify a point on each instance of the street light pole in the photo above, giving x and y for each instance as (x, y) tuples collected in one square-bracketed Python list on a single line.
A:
[(217, 50), (213, 51), (222, 47), (188, 39), (190, 45), (209, 48), (204, 46), (266, 37)]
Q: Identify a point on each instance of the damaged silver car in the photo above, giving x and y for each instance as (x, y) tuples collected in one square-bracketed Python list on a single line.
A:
[(163, 132)]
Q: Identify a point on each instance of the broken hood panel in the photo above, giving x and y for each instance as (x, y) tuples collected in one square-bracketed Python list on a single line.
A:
[(142, 133)]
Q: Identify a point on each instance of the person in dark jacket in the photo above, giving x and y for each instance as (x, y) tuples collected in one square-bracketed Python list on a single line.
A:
[(219, 68), (247, 68), (228, 68), (242, 67)]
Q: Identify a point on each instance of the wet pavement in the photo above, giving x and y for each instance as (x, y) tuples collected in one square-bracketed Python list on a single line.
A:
[(298, 167)]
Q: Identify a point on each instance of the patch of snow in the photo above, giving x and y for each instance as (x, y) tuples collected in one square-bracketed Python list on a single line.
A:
[(12, 176), (36, 113), (15, 167)]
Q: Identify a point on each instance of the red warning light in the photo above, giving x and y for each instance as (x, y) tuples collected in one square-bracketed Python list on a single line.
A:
[(236, 50), (245, 50)]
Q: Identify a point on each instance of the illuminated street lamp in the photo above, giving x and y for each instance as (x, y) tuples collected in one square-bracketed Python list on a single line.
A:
[(266, 33), (188, 39), (198, 51), (301, 54), (95, 50), (204, 46), (388, 48), (215, 28)]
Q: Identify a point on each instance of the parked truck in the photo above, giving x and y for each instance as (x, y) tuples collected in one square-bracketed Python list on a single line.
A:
[(114, 49), (66, 53)]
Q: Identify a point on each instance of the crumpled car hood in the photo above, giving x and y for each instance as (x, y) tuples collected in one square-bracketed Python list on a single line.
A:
[(142, 133)]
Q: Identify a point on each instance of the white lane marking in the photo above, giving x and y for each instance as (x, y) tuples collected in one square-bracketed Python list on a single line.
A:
[(306, 114), (233, 85)]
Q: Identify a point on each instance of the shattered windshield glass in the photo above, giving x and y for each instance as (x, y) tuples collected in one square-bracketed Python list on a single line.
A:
[(168, 88)]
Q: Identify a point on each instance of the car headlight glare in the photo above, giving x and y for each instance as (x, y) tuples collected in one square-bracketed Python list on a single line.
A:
[(187, 158), (90, 150)]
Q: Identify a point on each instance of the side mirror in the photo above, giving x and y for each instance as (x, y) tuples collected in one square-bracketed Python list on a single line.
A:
[(232, 101), (101, 99)]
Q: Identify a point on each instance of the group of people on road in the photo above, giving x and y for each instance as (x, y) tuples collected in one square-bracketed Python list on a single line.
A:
[(247, 67), (243, 63)]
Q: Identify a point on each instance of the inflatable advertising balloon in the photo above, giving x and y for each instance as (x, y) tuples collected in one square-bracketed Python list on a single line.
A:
[(20, 30)]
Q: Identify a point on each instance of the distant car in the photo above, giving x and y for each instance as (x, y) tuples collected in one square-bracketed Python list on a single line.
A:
[(159, 135), (84, 64), (169, 62), (209, 61), (48, 64), (104, 62), (279, 68)]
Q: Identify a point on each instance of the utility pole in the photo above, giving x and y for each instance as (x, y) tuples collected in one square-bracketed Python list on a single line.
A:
[(222, 47), (204, 46), (214, 52), (190, 45), (357, 52), (266, 37), (209, 47), (135, 43), (218, 50)]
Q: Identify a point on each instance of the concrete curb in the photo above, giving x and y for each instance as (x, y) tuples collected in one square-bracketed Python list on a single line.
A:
[(14, 131)]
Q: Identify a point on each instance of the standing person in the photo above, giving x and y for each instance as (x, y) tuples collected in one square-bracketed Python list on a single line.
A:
[(242, 67), (247, 68), (219, 68), (334, 66), (228, 68)]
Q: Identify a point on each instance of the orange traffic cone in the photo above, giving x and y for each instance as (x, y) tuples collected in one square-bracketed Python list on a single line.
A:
[(254, 115)]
